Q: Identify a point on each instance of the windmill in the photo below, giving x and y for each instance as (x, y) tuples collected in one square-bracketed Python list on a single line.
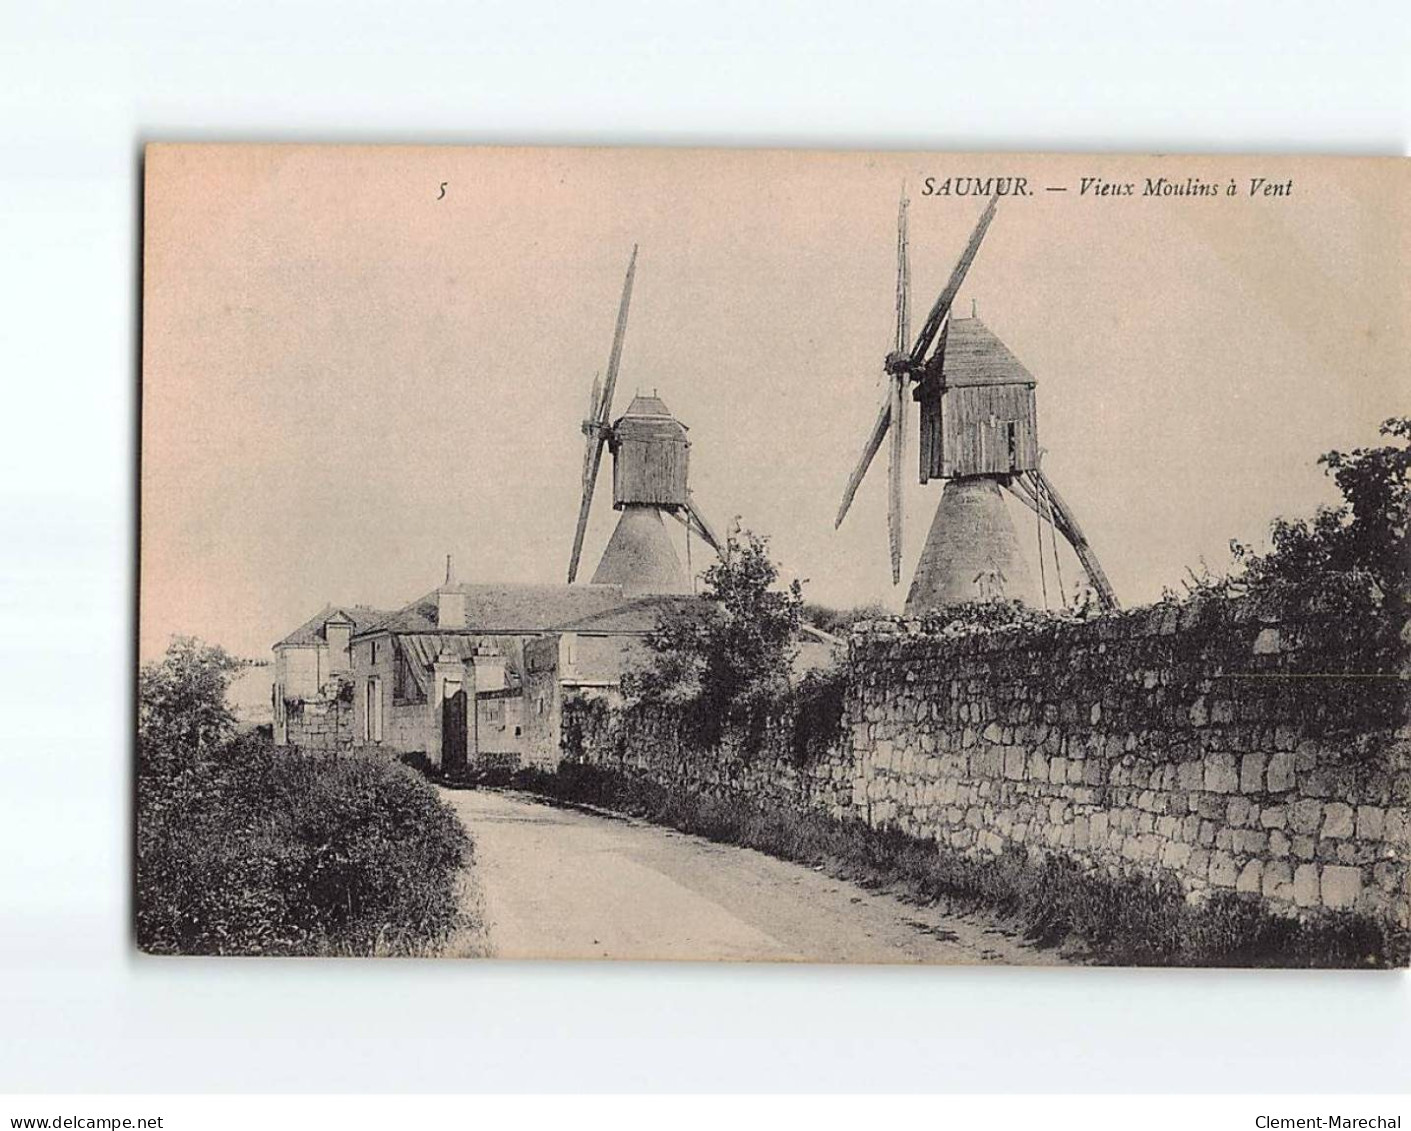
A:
[(649, 471), (979, 433)]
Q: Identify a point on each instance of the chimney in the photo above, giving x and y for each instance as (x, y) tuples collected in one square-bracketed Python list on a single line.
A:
[(450, 607), (337, 633)]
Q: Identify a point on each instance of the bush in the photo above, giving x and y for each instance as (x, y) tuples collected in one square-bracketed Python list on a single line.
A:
[(818, 704), (278, 851), (1364, 537), (979, 618), (245, 848)]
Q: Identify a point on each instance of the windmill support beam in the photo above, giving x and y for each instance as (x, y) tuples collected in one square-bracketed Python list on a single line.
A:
[(1016, 486), (695, 523), (1041, 488), (705, 528)]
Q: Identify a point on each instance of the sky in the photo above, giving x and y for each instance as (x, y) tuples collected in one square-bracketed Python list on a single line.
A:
[(357, 360)]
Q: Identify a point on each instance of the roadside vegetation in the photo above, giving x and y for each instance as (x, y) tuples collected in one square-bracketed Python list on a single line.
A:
[(1130, 921), (243, 848)]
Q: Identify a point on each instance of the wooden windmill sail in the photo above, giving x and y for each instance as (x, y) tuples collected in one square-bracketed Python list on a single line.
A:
[(649, 481), (979, 432)]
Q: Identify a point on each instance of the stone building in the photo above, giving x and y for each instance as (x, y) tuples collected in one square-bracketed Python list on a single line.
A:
[(357, 677), (584, 659), (307, 664), (448, 676)]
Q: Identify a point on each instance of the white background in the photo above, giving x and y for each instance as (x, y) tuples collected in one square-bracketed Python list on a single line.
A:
[(82, 86)]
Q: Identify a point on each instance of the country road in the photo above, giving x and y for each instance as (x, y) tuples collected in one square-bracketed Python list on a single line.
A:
[(554, 882)]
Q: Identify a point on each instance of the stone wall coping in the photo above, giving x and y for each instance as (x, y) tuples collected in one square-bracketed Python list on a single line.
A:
[(1165, 618)]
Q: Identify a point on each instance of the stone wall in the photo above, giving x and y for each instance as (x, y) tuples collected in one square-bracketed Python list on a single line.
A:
[(407, 727), (1206, 741), (319, 724), (1235, 751), (655, 743)]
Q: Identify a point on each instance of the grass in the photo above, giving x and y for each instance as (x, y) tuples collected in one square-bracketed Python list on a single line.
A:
[(1135, 920), (254, 849)]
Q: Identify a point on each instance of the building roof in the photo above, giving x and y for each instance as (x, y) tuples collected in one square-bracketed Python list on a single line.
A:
[(507, 608), (813, 632), (639, 615), (361, 617), (424, 649), (971, 355)]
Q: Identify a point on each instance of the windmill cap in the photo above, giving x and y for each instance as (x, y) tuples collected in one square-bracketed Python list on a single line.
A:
[(648, 418), (644, 405), (972, 354)]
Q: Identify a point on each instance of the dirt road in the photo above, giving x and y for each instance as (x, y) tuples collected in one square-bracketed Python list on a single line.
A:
[(553, 882)]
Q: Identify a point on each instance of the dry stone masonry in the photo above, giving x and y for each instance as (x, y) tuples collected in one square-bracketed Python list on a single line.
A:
[(655, 743), (319, 724), (1198, 740), (1203, 741)]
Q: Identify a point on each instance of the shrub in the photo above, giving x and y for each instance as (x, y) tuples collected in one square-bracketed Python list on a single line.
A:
[(817, 709), (245, 848), (276, 851), (1364, 536), (969, 618), (1347, 567)]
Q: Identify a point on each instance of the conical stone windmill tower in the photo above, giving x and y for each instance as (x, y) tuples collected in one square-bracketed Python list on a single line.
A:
[(979, 432), (650, 461)]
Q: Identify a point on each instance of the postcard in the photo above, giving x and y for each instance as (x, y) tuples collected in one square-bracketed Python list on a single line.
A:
[(748, 555)]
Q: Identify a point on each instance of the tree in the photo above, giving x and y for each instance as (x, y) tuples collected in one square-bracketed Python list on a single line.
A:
[(1347, 568), (182, 714), (1376, 484), (1358, 546), (732, 655)]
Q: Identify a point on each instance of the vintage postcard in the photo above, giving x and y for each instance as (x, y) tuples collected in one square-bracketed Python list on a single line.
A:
[(774, 556)]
